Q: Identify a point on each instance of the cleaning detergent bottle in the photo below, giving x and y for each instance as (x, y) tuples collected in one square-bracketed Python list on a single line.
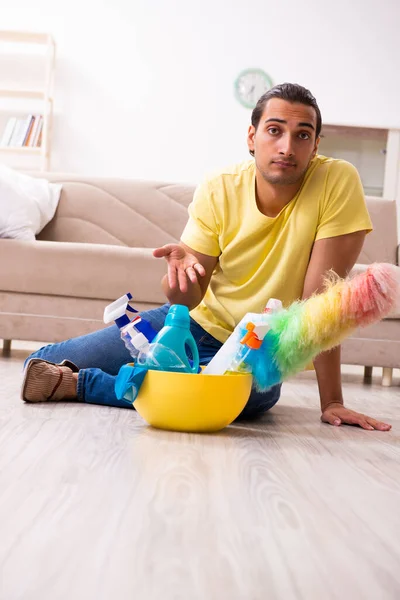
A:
[(233, 352), (169, 349), (116, 311), (156, 356)]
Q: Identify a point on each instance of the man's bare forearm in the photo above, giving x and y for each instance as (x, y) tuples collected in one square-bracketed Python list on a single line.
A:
[(191, 298), (327, 367)]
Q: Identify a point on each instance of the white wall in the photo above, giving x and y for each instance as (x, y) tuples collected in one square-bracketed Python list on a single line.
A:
[(145, 89)]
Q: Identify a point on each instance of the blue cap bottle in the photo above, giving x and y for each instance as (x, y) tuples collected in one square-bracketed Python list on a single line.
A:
[(176, 336)]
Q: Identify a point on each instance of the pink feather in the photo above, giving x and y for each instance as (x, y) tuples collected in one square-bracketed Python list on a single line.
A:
[(371, 295)]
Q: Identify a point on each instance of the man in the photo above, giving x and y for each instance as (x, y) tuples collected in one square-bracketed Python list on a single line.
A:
[(272, 227)]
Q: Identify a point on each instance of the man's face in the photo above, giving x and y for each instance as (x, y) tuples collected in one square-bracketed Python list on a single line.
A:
[(284, 142)]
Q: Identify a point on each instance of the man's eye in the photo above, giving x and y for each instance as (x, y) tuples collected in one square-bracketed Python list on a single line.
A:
[(273, 130), (304, 135)]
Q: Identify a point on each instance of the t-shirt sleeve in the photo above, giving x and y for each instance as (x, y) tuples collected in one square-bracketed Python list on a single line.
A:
[(343, 209), (201, 231)]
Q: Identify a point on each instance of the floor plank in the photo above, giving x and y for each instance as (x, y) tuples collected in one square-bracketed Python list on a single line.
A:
[(96, 505)]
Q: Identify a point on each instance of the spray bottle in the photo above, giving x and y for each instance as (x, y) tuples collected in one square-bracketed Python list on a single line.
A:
[(251, 341), (231, 355), (116, 311)]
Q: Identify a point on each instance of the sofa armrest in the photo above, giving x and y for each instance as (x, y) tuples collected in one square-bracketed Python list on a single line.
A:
[(80, 270)]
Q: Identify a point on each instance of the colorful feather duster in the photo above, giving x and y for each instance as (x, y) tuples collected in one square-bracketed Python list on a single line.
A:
[(298, 334)]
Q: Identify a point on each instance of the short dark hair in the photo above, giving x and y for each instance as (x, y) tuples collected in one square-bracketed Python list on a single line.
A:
[(291, 92)]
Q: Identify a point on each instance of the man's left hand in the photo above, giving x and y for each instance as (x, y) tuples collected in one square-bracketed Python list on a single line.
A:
[(336, 414)]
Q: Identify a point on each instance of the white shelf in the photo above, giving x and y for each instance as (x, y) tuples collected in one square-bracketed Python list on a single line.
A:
[(369, 133), (368, 148), (25, 37), (32, 94), (18, 95), (375, 151), (21, 149)]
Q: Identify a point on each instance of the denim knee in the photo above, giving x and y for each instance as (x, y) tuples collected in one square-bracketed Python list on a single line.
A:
[(36, 354), (260, 402)]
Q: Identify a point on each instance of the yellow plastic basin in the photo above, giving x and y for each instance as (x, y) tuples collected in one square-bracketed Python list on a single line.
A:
[(187, 402)]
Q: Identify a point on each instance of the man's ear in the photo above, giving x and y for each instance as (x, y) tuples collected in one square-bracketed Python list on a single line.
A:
[(250, 137), (317, 141)]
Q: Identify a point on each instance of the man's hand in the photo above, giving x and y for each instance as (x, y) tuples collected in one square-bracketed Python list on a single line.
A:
[(336, 414), (181, 266), (189, 273)]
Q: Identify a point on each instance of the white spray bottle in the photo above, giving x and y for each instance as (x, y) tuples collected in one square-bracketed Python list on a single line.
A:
[(230, 352), (116, 311)]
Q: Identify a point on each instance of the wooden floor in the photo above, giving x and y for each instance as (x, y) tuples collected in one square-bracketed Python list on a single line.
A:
[(95, 505)]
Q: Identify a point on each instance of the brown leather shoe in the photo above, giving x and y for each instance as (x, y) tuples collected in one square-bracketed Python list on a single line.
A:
[(44, 380)]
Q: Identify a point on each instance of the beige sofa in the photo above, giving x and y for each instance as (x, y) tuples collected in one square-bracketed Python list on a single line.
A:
[(99, 246), (378, 345)]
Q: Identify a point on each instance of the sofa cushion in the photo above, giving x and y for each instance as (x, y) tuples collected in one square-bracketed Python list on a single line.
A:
[(140, 214), (381, 244), (81, 270)]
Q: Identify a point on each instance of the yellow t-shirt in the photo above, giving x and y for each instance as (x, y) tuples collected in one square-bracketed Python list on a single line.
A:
[(262, 257)]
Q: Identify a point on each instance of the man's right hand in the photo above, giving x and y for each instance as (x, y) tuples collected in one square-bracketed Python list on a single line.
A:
[(182, 265), (189, 273)]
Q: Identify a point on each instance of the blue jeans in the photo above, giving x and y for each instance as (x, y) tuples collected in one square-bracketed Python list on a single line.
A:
[(101, 354)]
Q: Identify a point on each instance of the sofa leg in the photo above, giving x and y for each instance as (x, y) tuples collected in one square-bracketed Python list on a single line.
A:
[(387, 374), (368, 373), (6, 346)]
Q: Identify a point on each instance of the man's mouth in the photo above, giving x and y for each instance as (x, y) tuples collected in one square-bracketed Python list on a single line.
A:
[(283, 163)]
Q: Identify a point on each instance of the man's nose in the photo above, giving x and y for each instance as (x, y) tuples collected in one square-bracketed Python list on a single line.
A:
[(286, 145)]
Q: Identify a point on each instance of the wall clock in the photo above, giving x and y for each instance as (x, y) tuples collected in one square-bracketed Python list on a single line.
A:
[(250, 85)]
